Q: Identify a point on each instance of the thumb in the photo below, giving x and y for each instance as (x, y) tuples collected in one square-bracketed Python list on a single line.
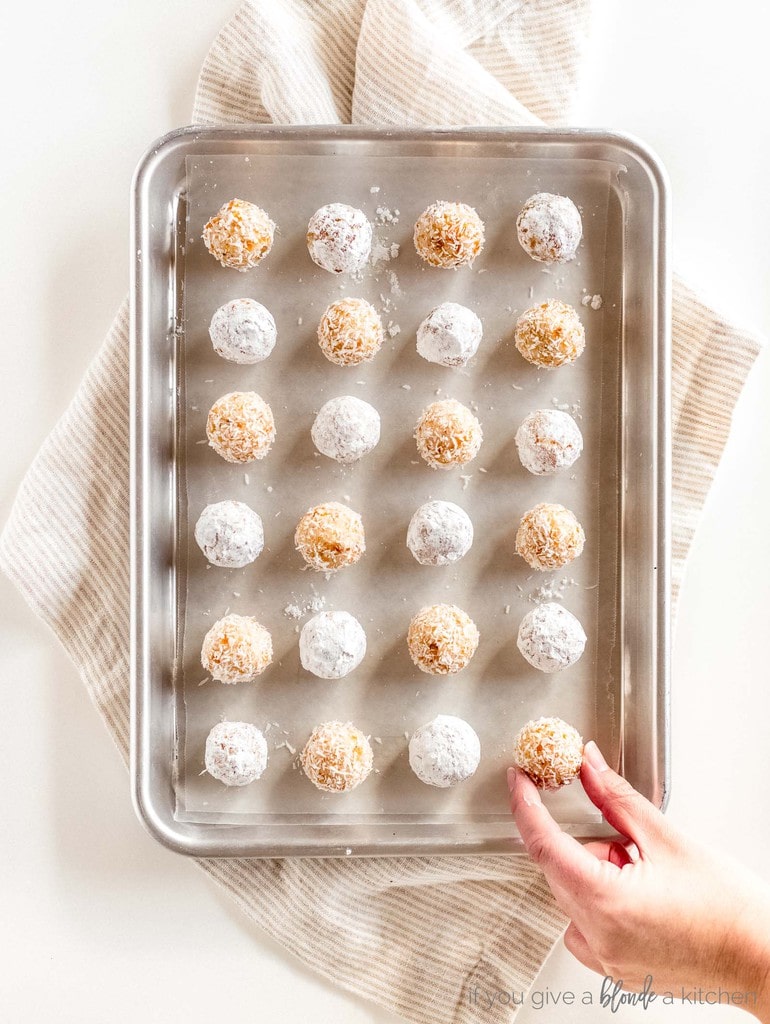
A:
[(625, 809)]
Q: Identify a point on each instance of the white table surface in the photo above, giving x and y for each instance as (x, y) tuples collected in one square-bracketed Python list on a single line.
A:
[(99, 922)]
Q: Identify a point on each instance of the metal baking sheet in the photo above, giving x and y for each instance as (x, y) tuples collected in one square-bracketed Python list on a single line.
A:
[(617, 693)]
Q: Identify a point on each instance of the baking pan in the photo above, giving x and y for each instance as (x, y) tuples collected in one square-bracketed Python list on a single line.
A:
[(617, 693)]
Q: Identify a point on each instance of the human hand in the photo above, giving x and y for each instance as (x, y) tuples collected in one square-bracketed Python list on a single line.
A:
[(653, 903)]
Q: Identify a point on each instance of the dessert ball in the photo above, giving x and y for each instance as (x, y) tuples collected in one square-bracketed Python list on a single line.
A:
[(236, 649), (549, 751), (448, 434), (240, 427), (240, 235), (330, 536), (350, 332), (230, 534), (444, 752), (548, 440), (332, 644), (236, 753), (337, 757), (449, 335), (339, 238), (442, 639), (549, 228), (549, 536), (551, 638), (439, 533), (550, 334), (346, 429), (243, 331), (449, 234)]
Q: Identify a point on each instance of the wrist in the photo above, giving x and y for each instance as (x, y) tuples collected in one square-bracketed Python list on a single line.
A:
[(753, 961)]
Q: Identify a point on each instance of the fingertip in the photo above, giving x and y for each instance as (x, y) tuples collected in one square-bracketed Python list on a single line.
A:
[(522, 790), (594, 757)]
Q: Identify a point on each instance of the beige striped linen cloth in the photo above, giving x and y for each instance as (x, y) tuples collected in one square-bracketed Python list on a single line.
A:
[(415, 935)]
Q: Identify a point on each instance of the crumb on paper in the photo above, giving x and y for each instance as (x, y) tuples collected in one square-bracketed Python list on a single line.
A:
[(236, 593), (246, 478), (299, 321), (269, 489), (507, 609), (466, 479), (378, 740), (374, 189), (531, 292), (393, 281), (204, 441), (203, 681), (594, 301), (384, 215), (406, 387), (517, 387), (393, 329), (483, 470)]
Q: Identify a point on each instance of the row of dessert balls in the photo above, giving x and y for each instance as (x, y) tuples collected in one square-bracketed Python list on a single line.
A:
[(441, 641), (350, 332), (331, 536), (338, 756), (446, 234)]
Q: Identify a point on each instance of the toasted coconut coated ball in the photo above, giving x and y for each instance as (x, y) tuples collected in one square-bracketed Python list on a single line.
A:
[(549, 228), (243, 331), (350, 332), (448, 434), (346, 429), (240, 235), (549, 536), (230, 534), (337, 757), (449, 234), (551, 638), (330, 536), (550, 334), (548, 440), (442, 639), (339, 238), (444, 752), (332, 645), (449, 335), (240, 427), (439, 533), (549, 751), (236, 649), (236, 753)]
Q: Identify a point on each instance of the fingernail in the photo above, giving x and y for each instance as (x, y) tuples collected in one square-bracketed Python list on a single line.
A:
[(511, 776), (593, 755)]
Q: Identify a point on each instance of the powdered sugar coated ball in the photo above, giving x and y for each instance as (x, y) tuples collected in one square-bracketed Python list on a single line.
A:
[(239, 235), (240, 427), (448, 434), (337, 757), (444, 752), (346, 429), (236, 649), (339, 238), (439, 533), (550, 751), (549, 536), (548, 440), (230, 534), (236, 753), (243, 331), (449, 234), (549, 228), (449, 335), (551, 638), (332, 644)]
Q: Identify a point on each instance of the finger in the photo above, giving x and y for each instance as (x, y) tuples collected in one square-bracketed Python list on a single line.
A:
[(609, 850), (625, 809), (567, 866), (575, 942)]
